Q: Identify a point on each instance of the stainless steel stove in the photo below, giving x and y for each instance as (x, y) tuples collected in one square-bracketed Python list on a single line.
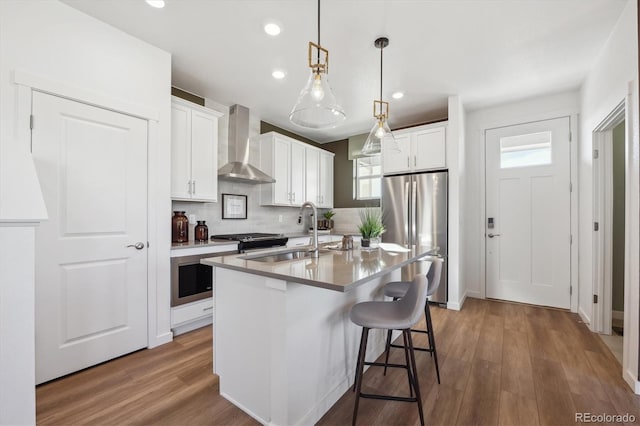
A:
[(254, 240)]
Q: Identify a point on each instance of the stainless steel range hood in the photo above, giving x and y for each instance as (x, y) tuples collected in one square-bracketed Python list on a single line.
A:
[(238, 168)]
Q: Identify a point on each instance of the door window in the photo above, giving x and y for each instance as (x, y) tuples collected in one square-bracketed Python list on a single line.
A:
[(532, 149)]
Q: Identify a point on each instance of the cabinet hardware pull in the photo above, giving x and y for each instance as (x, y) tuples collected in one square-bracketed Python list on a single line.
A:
[(414, 161), (408, 162), (194, 186), (207, 309), (189, 190)]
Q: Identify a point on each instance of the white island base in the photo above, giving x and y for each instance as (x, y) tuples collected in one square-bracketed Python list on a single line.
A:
[(286, 352)]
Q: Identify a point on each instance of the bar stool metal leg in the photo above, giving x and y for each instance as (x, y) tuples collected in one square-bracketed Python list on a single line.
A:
[(357, 386), (432, 339), (415, 375), (406, 360)]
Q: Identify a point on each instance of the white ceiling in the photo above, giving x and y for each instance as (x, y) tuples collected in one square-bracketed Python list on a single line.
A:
[(486, 51)]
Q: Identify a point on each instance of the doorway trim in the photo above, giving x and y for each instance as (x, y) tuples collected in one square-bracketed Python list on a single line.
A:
[(482, 128), (603, 215), (158, 321), (572, 113)]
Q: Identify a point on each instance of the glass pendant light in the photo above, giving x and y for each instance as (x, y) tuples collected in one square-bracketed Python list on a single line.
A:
[(380, 133), (317, 107)]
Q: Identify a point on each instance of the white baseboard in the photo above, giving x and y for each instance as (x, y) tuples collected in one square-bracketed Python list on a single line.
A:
[(323, 406), (245, 409), (617, 315), (474, 294), (190, 326), (632, 382), (585, 318), (454, 306), (161, 340)]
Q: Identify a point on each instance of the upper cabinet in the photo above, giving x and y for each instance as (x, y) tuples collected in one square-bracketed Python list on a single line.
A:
[(421, 148), (302, 172), (283, 159), (319, 177), (194, 152)]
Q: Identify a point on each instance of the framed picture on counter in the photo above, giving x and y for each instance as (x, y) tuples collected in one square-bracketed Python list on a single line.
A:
[(234, 206)]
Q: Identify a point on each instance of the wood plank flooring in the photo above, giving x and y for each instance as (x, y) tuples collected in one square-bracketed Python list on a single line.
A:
[(500, 364)]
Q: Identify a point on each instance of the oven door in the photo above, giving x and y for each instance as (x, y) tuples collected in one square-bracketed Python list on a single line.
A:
[(191, 280)]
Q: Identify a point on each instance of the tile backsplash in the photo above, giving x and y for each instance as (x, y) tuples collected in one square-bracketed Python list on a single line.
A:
[(259, 218)]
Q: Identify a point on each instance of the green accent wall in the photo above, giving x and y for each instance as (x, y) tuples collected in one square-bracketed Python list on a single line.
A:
[(342, 168), (187, 96), (343, 177), (617, 274)]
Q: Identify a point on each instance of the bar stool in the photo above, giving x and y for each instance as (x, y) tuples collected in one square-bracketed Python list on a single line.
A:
[(395, 315), (397, 290)]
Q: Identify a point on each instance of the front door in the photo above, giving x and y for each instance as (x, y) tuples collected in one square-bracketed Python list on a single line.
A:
[(528, 248), (91, 283)]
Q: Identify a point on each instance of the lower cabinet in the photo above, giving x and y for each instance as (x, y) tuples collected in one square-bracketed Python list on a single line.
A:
[(192, 315)]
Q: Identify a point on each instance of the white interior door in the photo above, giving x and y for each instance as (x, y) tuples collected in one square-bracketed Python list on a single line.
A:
[(91, 289), (528, 249)]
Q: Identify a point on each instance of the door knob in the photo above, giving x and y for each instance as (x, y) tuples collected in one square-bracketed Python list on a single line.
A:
[(138, 246), (493, 235)]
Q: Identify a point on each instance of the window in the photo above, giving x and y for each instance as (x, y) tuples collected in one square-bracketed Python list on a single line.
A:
[(367, 172), (533, 149)]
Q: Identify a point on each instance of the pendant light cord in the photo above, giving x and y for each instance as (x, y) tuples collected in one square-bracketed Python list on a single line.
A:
[(319, 34), (381, 49)]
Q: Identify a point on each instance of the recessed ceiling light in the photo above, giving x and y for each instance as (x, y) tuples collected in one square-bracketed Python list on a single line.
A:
[(278, 74), (158, 4), (398, 95), (272, 29)]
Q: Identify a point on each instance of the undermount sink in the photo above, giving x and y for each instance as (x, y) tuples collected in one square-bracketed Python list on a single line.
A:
[(280, 257)]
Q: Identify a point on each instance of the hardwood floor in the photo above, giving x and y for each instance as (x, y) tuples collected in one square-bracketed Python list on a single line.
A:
[(500, 364)]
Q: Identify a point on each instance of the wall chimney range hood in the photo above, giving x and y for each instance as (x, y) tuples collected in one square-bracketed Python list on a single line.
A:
[(238, 168)]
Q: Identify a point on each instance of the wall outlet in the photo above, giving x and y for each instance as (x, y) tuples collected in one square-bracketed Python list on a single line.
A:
[(192, 219), (280, 218)]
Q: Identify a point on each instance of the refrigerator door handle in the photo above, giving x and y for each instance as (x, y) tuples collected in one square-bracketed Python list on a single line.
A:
[(414, 191), (408, 216)]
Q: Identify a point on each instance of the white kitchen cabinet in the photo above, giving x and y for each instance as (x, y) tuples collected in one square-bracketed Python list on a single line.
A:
[(283, 158), (319, 177), (326, 180), (192, 315), (194, 152), (421, 148)]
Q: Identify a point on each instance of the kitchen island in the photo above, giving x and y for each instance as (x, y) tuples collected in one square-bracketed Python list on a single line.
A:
[(284, 346)]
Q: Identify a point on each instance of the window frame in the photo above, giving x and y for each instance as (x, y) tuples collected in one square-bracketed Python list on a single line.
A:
[(357, 178)]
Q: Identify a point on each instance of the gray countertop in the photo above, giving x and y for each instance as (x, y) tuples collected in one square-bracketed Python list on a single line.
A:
[(334, 269)]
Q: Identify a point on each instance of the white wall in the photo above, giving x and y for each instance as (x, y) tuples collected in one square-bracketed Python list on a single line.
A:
[(74, 54), (541, 108), (605, 87), (457, 278)]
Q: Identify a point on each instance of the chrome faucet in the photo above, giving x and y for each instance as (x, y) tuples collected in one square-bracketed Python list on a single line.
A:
[(314, 240)]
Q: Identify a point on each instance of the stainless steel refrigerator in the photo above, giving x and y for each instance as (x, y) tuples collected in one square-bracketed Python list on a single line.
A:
[(414, 212)]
